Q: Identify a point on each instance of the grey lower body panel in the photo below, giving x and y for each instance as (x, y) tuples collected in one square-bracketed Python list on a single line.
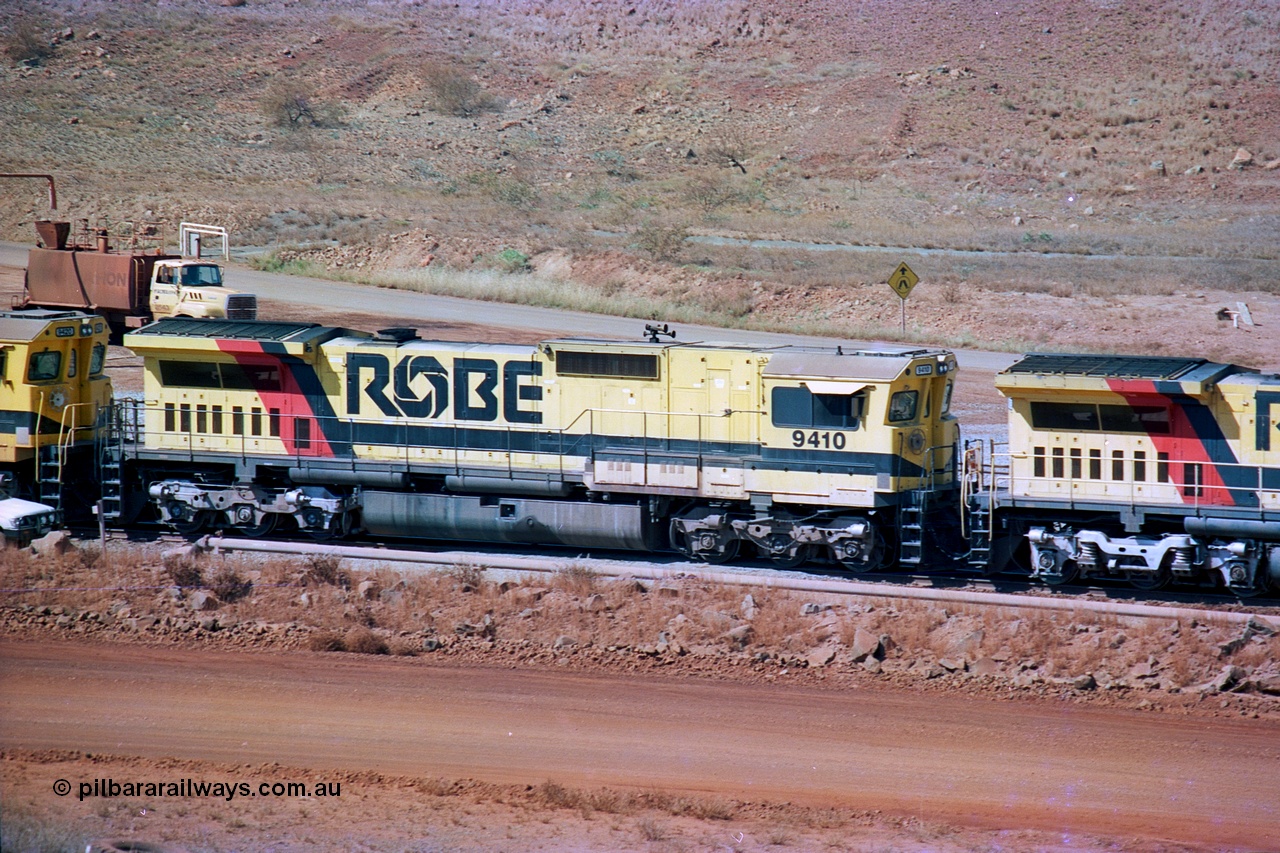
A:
[(511, 520)]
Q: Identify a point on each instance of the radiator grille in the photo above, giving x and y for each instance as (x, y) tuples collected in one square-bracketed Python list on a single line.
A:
[(242, 307)]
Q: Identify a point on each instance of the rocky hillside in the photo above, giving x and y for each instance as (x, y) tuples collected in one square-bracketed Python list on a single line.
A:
[(491, 132)]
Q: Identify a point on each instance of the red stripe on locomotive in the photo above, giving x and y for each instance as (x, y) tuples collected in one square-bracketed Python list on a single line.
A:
[(1183, 445), (290, 400)]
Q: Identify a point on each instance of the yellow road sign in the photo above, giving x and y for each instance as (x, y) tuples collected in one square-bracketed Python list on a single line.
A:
[(902, 280)]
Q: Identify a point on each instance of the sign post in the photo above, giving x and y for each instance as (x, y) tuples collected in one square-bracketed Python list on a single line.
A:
[(902, 280)]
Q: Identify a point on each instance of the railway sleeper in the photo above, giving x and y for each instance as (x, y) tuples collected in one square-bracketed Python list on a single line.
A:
[(1245, 566), (252, 509)]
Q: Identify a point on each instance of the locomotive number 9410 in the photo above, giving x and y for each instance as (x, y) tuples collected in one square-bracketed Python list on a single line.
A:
[(822, 440)]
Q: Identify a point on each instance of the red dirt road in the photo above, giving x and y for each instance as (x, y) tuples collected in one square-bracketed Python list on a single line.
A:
[(961, 760)]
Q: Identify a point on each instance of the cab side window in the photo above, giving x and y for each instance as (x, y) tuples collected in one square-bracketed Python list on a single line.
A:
[(800, 407), (97, 359)]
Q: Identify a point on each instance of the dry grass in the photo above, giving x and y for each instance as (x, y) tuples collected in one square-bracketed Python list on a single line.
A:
[(228, 584), (537, 289), (186, 572), (26, 41), (25, 829), (576, 579), (552, 795), (325, 569), (468, 575), (362, 641)]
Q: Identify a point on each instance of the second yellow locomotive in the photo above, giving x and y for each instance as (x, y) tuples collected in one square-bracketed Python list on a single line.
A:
[(797, 452)]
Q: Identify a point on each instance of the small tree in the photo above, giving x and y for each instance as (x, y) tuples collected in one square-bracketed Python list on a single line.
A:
[(25, 44), (709, 194), (455, 93), (294, 104), (664, 242), (730, 148)]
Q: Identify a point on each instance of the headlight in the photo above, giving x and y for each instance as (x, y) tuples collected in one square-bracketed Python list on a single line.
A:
[(915, 441)]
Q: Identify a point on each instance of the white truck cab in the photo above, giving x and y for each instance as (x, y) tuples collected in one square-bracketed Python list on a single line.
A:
[(186, 287)]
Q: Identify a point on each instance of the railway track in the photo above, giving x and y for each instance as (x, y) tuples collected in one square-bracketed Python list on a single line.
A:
[(946, 589)]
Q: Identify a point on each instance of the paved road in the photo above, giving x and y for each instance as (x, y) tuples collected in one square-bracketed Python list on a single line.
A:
[(424, 308), (957, 759)]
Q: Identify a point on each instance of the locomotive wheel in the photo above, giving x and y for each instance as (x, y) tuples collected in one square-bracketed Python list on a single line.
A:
[(728, 553), (856, 567), (262, 528), (188, 526), (320, 534), (342, 524), (1070, 571), (876, 556), (1249, 592), (1148, 582), (339, 527), (790, 561), (683, 542)]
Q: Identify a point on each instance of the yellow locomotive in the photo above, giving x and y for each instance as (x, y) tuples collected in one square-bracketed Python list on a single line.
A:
[(798, 452), (1145, 469), (53, 394)]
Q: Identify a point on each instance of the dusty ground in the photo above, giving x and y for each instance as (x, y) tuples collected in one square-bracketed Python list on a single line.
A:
[(948, 770), (110, 669)]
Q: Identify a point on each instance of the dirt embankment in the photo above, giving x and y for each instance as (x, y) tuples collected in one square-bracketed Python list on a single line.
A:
[(574, 618)]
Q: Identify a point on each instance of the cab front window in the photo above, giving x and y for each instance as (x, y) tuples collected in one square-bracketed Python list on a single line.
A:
[(202, 275), (44, 366), (903, 405)]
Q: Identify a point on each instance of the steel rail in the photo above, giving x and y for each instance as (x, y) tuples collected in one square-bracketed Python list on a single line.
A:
[(619, 569)]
